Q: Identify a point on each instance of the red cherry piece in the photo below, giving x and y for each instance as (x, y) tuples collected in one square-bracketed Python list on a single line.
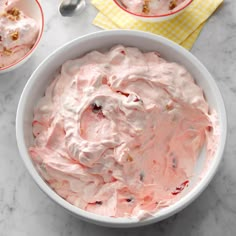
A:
[(180, 188)]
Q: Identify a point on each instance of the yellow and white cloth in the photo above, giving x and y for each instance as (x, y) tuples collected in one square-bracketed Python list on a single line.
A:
[(183, 29)]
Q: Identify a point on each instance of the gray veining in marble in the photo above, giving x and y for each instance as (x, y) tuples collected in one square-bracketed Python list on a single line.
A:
[(25, 210)]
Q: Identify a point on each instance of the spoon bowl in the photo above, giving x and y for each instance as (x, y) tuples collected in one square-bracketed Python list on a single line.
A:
[(68, 8)]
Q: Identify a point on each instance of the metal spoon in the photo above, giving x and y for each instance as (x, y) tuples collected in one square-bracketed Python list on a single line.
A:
[(69, 7)]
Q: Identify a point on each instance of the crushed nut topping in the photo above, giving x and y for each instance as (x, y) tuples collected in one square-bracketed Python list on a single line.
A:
[(13, 14), (15, 36), (172, 4), (169, 106), (3, 14), (10, 17), (146, 8), (7, 52), (130, 159)]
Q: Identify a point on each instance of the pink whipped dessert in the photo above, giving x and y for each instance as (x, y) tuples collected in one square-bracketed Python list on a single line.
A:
[(118, 133), (18, 33), (153, 7)]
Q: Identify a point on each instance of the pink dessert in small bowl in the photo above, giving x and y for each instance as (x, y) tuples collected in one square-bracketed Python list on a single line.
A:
[(153, 10), (21, 27)]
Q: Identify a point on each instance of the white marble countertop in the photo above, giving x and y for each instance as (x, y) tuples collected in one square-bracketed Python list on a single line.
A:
[(25, 210)]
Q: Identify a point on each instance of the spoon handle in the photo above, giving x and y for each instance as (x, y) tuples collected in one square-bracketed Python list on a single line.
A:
[(70, 2)]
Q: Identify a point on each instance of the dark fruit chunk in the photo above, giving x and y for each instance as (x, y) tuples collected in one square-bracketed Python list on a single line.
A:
[(129, 199), (141, 176), (96, 107), (99, 202)]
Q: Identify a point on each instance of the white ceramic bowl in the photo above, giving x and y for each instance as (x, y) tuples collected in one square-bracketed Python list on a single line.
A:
[(154, 18), (33, 9), (40, 79)]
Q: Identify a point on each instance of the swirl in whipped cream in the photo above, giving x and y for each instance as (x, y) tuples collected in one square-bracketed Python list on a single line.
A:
[(119, 133), (18, 33)]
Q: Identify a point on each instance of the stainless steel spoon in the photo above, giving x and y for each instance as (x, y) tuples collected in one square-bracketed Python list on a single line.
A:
[(69, 7)]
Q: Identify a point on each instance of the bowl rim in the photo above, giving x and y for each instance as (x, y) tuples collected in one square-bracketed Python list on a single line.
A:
[(35, 44), (105, 220), (152, 16)]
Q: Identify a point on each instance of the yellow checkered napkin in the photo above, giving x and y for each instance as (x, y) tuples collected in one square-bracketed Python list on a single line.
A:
[(183, 29)]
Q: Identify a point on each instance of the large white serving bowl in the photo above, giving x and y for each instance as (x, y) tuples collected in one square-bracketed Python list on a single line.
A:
[(42, 76), (33, 9)]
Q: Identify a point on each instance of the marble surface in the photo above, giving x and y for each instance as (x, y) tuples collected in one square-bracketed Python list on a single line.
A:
[(25, 210)]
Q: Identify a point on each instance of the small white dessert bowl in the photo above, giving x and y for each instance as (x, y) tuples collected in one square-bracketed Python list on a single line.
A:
[(154, 18), (33, 9)]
